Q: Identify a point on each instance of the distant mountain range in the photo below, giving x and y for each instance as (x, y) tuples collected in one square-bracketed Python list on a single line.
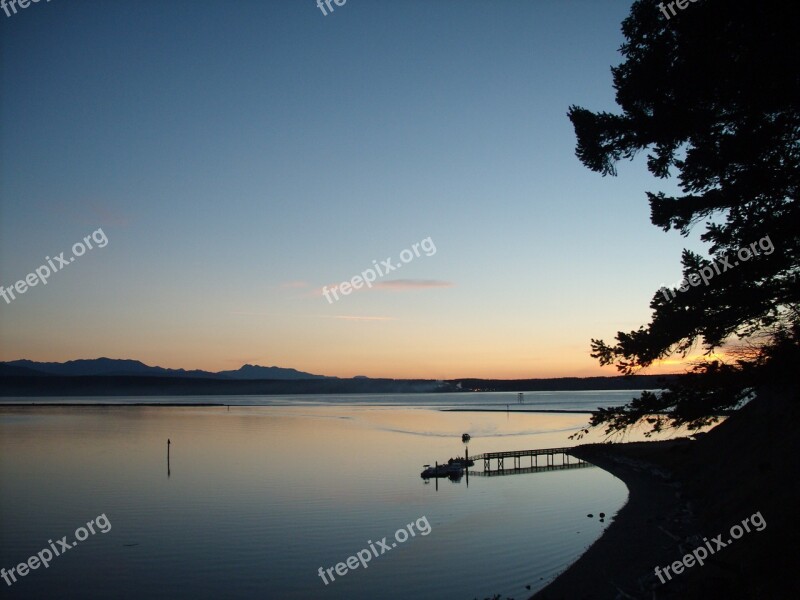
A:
[(110, 367), (113, 377)]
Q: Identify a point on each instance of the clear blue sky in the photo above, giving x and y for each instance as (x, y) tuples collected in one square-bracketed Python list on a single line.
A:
[(241, 155)]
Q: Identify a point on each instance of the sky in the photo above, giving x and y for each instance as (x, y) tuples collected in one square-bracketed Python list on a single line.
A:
[(241, 157)]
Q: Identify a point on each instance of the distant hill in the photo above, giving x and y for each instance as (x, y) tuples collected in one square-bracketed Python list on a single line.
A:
[(111, 367), (257, 372)]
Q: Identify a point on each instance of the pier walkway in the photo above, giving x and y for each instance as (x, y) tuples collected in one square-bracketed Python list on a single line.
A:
[(550, 455)]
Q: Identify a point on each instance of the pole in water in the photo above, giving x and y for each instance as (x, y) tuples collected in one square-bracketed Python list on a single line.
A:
[(168, 470), (466, 462)]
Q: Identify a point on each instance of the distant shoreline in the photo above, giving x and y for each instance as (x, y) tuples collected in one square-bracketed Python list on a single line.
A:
[(147, 385), (520, 410), (120, 404), (218, 405)]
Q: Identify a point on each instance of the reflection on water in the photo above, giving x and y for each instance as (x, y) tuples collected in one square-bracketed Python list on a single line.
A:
[(529, 470), (255, 500)]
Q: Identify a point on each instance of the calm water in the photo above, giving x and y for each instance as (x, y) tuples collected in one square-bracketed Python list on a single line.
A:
[(572, 401), (259, 497)]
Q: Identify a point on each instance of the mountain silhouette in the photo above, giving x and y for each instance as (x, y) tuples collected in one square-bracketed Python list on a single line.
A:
[(122, 367)]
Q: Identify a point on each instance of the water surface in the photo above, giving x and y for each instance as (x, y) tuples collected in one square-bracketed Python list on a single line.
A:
[(258, 498)]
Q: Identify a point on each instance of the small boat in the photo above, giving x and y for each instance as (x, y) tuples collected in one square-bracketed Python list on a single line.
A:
[(452, 470), (465, 437)]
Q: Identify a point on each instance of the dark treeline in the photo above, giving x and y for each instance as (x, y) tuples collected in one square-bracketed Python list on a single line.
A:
[(634, 382), (177, 386)]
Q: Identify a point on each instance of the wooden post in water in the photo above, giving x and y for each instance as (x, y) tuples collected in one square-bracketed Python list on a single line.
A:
[(466, 462), (168, 471)]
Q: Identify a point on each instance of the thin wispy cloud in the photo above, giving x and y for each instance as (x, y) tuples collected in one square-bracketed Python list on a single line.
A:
[(395, 285), (357, 318), (294, 285), (399, 285)]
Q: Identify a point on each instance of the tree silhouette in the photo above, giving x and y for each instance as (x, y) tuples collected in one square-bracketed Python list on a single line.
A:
[(712, 93)]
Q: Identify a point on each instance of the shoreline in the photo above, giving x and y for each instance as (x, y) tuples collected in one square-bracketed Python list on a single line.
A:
[(647, 527), (685, 491)]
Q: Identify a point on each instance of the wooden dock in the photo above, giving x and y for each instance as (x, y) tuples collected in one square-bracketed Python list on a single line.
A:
[(550, 455)]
